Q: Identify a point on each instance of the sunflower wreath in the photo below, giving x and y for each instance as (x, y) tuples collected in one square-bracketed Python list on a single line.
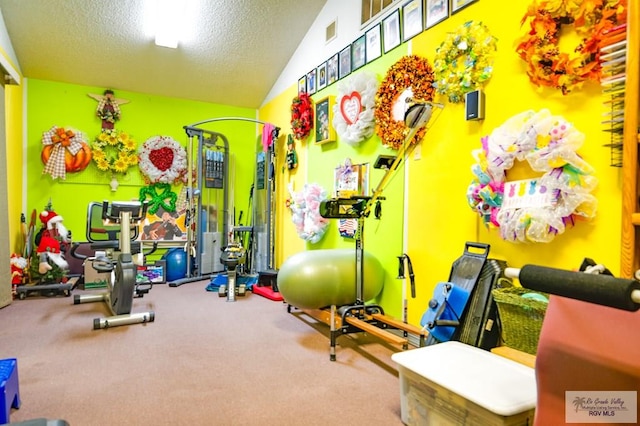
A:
[(353, 113), (114, 151), (464, 61), (546, 64), (162, 160), (301, 116), (410, 77), (533, 210)]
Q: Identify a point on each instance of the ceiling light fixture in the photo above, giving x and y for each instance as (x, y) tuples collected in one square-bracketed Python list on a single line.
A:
[(169, 19)]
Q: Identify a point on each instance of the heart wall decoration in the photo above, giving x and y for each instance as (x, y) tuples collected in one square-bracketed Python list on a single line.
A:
[(353, 117)]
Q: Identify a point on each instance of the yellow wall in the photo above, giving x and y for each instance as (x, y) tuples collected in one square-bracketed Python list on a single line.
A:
[(439, 220), (14, 161), (439, 217), (278, 112)]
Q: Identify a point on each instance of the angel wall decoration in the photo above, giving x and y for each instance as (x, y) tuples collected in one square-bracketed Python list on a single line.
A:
[(108, 108)]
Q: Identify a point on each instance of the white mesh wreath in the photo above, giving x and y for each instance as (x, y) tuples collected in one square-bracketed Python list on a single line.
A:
[(533, 210), (162, 160), (353, 116)]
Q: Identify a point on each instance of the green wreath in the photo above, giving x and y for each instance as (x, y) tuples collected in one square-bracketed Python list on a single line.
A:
[(161, 196), (464, 61)]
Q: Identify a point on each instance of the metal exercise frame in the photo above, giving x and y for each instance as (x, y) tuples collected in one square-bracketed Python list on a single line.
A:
[(193, 246)]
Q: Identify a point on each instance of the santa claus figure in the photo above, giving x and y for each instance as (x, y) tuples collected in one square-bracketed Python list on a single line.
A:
[(51, 239), (18, 265)]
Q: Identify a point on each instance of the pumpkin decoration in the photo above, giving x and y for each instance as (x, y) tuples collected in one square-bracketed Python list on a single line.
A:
[(64, 150), (72, 163)]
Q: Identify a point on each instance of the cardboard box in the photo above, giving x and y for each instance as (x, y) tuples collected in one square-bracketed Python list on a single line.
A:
[(94, 279), (455, 384)]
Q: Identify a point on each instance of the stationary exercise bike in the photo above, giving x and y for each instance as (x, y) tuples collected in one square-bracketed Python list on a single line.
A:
[(123, 286)]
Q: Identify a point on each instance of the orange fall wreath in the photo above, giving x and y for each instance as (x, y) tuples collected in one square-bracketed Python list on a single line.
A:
[(411, 76), (546, 64)]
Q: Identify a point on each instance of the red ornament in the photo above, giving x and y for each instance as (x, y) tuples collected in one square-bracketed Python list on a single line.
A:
[(301, 116)]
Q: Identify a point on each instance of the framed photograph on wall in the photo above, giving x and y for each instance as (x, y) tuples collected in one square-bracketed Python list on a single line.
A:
[(436, 11), (458, 5), (344, 68), (324, 119), (302, 84), (332, 69), (358, 53), (391, 31), (374, 43), (412, 19), (322, 76), (311, 82)]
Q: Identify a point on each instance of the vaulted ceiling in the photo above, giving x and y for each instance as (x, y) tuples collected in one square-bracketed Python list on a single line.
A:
[(232, 52)]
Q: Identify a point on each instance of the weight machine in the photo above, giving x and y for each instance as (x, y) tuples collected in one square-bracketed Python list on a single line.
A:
[(123, 286), (204, 245), (361, 317)]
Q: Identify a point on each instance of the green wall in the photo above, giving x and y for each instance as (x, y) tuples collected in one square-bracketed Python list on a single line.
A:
[(382, 237), (67, 105)]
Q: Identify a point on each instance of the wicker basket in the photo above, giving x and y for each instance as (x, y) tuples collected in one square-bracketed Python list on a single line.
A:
[(521, 318)]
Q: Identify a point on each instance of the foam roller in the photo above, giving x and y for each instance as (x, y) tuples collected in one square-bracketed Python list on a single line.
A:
[(316, 279), (603, 290)]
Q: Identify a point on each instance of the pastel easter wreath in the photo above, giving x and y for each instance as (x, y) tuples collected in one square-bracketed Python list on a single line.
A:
[(464, 61), (301, 116), (162, 160), (410, 77), (546, 64), (114, 151), (353, 113), (305, 207), (534, 210)]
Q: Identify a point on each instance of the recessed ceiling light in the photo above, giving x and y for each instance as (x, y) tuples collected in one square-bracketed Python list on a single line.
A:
[(169, 22)]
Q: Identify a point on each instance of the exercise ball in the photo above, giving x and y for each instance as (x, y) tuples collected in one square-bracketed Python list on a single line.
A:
[(316, 279), (176, 261)]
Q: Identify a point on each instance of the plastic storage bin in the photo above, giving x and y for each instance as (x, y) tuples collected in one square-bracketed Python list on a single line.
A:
[(452, 383)]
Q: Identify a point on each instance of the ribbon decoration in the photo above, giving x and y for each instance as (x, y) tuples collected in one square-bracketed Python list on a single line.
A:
[(165, 199), (61, 140)]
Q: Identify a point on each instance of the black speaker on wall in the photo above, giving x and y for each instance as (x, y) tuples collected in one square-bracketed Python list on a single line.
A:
[(474, 105)]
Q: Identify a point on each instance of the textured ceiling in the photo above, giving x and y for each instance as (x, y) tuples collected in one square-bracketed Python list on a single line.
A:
[(232, 53)]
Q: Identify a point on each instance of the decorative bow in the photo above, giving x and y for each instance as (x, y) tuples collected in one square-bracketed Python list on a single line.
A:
[(61, 140)]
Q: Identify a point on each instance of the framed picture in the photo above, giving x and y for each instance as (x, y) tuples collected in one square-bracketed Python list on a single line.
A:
[(345, 62), (358, 53), (458, 5), (164, 225), (351, 179), (324, 118), (374, 43), (436, 12), (311, 82), (391, 31), (322, 76), (332, 69), (302, 84), (412, 19)]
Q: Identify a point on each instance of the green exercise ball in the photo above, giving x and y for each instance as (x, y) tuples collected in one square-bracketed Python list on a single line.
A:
[(316, 279)]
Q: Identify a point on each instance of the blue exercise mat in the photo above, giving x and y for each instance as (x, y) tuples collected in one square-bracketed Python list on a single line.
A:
[(221, 279)]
